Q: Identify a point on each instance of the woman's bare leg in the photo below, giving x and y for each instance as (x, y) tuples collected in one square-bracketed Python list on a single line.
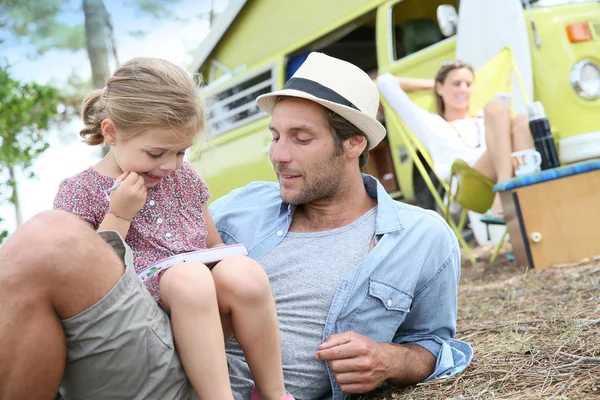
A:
[(486, 166), (496, 162), (521, 135), (498, 138), (188, 293), (248, 311)]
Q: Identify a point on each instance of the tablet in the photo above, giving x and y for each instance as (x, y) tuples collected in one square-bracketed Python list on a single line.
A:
[(206, 256)]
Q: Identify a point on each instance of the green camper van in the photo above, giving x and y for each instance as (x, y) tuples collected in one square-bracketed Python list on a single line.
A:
[(255, 45)]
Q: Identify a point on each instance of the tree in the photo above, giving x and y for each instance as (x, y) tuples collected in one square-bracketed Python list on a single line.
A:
[(97, 21), (26, 111), (39, 22)]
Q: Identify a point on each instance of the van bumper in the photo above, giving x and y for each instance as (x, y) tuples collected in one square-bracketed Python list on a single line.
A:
[(580, 147)]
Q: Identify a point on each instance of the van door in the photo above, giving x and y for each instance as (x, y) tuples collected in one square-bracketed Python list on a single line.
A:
[(410, 44)]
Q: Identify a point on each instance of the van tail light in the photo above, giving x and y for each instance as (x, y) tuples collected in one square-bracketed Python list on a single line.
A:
[(579, 32)]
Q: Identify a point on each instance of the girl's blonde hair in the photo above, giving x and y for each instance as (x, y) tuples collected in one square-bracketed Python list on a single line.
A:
[(144, 93)]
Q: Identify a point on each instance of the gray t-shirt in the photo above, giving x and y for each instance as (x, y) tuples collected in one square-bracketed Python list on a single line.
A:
[(305, 270)]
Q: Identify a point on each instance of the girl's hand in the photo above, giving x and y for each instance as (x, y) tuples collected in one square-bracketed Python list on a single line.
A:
[(130, 196)]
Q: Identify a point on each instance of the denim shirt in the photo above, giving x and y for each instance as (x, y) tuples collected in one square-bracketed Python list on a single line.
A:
[(405, 290)]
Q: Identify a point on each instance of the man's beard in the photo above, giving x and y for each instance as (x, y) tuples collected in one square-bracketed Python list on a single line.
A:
[(325, 181)]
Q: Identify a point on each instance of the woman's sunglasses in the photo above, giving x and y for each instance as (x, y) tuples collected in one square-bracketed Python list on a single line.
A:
[(452, 62)]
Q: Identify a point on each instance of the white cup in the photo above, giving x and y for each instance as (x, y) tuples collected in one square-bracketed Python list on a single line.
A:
[(526, 162)]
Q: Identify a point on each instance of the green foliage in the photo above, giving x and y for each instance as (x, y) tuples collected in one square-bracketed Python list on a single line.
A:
[(72, 91), (26, 111), (36, 20), (156, 8)]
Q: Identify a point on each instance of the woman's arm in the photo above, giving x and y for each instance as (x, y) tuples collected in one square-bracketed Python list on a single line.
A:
[(415, 84), (418, 120)]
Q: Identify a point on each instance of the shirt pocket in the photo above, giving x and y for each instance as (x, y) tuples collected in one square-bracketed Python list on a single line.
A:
[(382, 311), (162, 357)]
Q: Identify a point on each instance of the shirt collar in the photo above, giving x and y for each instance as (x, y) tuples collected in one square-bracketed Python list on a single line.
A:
[(387, 216), (285, 208), (388, 219)]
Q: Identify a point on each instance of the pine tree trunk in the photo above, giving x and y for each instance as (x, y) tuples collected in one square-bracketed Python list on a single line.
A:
[(95, 33), (96, 38), (15, 196)]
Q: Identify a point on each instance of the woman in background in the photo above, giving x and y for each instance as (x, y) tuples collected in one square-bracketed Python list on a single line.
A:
[(485, 140)]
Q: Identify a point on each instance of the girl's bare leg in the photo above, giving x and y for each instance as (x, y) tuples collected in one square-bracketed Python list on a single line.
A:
[(188, 293), (248, 312)]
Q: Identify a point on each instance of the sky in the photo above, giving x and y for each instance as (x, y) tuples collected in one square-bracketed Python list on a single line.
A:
[(174, 40)]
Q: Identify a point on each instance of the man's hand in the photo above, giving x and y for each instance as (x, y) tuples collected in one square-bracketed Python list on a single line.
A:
[(130, 196), (358, 363)]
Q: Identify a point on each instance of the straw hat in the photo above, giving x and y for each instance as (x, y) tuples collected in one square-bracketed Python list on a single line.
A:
[(337, 85)]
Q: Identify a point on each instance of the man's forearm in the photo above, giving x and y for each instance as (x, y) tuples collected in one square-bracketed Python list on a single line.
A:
[(408, 364)]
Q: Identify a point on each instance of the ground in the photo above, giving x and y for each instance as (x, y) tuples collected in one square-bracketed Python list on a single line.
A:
[(535, 334)]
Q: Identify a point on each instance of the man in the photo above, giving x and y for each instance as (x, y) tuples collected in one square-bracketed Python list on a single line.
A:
[(365, 287)]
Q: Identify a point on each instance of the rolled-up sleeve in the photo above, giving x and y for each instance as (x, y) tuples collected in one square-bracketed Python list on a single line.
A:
[(418, 120), (431, 321)]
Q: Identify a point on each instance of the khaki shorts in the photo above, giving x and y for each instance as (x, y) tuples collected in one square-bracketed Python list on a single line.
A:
[(122, 346)]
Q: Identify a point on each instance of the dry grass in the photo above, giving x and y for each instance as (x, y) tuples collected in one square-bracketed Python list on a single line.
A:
[(535, 334)]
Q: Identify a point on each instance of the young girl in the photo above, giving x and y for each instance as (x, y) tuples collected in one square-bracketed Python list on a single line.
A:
[(149, 113)]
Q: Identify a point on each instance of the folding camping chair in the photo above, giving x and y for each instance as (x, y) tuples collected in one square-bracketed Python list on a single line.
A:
[(467, 187)]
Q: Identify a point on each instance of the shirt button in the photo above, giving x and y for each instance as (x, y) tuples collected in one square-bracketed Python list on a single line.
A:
[(152, 202), (390, 303), (168, 234), (159, 221), (279, 233)]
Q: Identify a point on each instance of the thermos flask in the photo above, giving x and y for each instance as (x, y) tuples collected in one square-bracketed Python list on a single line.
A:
[(542, 135)]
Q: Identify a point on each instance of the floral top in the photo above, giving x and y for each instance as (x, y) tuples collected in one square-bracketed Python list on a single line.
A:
[(171, 222)]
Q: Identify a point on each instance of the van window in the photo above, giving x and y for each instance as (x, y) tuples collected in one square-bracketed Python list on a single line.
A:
[(415, 26), (354, 42), (234, 105)]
